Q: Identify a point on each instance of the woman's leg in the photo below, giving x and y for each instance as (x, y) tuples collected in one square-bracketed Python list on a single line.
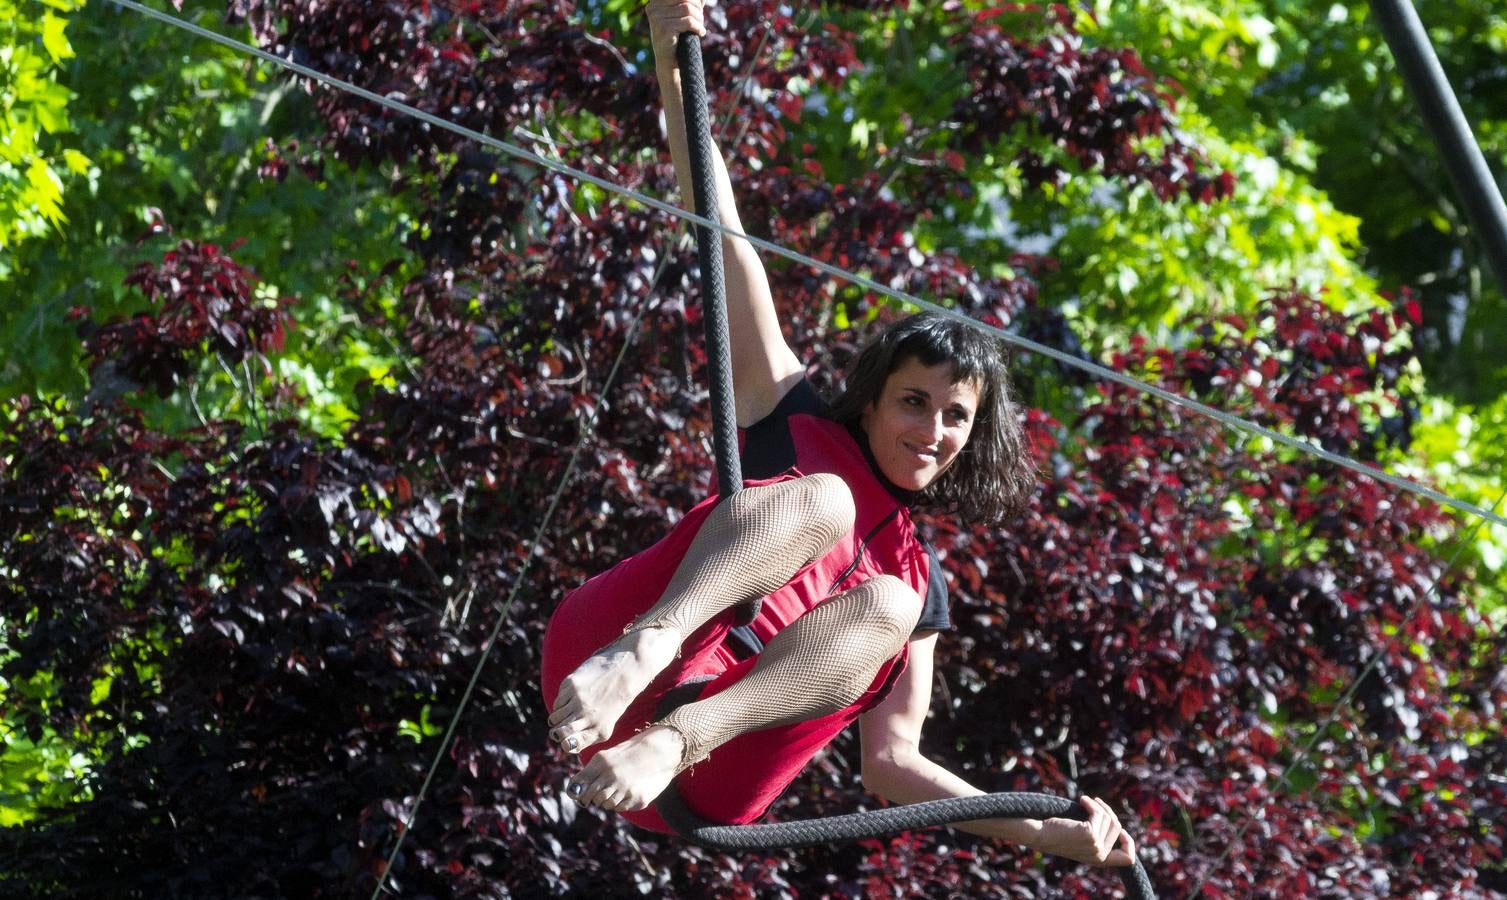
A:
[(749, 546), (818, 665)]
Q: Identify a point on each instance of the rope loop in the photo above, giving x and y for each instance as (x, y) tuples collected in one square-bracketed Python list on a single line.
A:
[(881, 822)]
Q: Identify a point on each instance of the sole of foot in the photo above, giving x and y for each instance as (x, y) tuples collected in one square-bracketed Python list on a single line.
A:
[(633, 774), (595, 695)]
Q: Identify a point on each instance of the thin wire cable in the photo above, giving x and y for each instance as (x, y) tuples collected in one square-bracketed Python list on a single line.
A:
[(502, 617), (1344, 701), (1203, 409), (587, 431)]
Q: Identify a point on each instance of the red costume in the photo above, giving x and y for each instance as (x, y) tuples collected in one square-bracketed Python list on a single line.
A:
[(737, 783)]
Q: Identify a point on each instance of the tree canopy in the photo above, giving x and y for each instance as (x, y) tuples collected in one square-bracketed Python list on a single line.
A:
[(294, 380)]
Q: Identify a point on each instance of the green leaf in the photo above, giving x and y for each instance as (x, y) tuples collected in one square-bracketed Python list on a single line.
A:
[(76, 162), (54, 39)]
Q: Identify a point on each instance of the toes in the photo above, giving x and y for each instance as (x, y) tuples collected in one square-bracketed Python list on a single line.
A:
[(565, 708), (579, 790), (584, 786), (592, 794), (570, 740)]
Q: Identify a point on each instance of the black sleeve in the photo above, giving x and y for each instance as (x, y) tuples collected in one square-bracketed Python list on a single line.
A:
[(934, 615), (768, 449)]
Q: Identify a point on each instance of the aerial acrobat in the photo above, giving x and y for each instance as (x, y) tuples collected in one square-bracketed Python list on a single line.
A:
[(851, 600)]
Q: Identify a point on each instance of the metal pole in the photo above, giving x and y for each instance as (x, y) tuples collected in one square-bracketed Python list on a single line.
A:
[(1441, 111)]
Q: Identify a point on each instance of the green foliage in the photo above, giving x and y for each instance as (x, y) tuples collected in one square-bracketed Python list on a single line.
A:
[(34, 119), (1130, 263), (1127, 261), (189, 134), (41, 769), (1467, 452), (1315, 86), (172, 129)]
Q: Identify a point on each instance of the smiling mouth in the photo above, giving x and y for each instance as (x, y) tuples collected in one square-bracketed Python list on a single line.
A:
[(922, 452)]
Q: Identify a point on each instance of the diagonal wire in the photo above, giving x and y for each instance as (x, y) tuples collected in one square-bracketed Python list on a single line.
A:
[(587, 429), (1100, 371), (1344, 701), (549, 514), (507, 606)]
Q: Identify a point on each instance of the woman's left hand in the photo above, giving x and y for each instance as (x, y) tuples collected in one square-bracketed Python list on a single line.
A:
[(668, 19), (1100, 841)]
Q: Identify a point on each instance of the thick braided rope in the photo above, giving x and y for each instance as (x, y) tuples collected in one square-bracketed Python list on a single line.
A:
[(880, 822), (713, 279)]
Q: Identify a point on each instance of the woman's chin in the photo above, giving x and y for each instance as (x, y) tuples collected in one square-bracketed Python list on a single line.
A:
[(910, 475), (912, 481)]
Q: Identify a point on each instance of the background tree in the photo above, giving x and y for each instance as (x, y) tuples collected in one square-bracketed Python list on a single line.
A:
[(257, 612), (33, 162)]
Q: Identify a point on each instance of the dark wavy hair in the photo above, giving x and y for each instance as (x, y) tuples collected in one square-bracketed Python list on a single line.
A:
[(994, 476)]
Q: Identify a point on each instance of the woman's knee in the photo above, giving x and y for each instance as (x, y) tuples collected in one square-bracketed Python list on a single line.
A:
[(889, 603), (819, 505), (876, 617), (830, 502)]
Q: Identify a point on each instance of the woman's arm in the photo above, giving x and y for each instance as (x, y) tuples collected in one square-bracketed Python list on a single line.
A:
[(764, 366), (894, 768)]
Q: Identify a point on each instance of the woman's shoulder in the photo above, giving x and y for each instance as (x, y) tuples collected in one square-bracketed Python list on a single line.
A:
[(769, 444), (802, 398)]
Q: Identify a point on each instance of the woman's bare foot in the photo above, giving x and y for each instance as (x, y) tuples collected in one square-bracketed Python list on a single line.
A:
[(631, 775), (594, 696)]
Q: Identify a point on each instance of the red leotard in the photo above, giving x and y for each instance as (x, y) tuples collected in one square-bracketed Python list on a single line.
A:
[(737, 783)]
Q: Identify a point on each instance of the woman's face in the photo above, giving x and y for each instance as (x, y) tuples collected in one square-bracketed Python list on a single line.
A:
[(920, 422)]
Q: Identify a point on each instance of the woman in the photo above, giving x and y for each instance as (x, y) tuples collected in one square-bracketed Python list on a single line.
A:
[(852, 600)]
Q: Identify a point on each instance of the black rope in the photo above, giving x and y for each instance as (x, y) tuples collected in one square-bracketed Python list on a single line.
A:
[(855, 826), (713, 280), (880, 822)]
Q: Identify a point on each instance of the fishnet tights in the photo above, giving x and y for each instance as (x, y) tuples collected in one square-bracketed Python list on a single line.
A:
[(819, 664), (750, 546)]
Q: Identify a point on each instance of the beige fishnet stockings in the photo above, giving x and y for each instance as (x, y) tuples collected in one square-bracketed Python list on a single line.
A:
[(750, 546), (819, 664)]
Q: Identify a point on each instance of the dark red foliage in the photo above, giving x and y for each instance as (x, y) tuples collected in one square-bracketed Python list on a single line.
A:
[(1097, 105), (203, 300), (289, 621)]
